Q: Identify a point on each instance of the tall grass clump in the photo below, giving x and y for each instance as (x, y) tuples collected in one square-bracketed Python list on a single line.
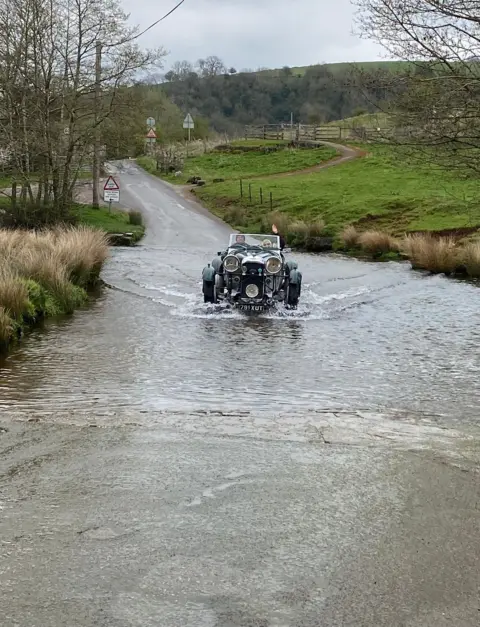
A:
[(437, 255), (236, 216), (377, 242), (45, 273), (135, 218), (7, 326), (469, 259), (349, 237)]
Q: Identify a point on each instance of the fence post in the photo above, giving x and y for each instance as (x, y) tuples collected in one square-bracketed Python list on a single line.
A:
[(271, 201), (250, 191), (241, 188), (264, 132), (261, 196)]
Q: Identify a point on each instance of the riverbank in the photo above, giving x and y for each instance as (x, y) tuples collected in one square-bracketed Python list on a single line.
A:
[(45, 274)]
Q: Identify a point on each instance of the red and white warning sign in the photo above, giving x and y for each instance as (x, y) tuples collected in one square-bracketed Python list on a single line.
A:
[(151, 134), (111, 184), (111, 191)]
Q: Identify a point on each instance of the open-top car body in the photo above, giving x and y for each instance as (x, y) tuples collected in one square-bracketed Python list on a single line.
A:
[(252, 275)]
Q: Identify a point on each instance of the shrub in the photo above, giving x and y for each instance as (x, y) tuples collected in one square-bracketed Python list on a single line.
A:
[(428, 253), (7, 326), (278, 218), (236, 216), (135, 218), (315, 228), (377, 242), (349, 237), (469, 258), (13, 293)]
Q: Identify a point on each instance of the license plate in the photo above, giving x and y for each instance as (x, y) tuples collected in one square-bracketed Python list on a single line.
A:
[(251, 307)]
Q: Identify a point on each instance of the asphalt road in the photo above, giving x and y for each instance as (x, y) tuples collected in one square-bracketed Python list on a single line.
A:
[(130, 517)]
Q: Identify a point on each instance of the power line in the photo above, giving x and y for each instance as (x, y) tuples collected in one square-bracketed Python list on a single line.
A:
[(158, 21)]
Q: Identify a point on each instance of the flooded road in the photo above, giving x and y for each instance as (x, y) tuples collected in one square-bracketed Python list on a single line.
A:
[(303, 468), (366, 336)]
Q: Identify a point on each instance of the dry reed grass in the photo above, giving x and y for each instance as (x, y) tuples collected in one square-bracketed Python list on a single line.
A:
[(377, 242), (349, 237), (61, 261), (469, 258), (437, 255)]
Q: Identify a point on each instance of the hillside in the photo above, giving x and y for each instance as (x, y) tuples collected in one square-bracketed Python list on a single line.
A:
[(316, 94)]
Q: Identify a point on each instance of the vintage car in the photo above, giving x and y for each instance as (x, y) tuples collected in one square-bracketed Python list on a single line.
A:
[(252, 275)]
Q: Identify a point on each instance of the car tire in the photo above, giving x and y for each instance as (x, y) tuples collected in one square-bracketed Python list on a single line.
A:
[(209, 292), (293, 294)]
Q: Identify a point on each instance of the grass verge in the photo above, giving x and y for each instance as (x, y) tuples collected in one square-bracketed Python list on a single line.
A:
[(377, 192), (233, 166), (112, 222), (45, 274)]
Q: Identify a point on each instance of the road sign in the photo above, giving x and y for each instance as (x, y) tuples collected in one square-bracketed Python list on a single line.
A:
[(151, 122), (111, 184), (111, 195), (188, 122), (151, 134)]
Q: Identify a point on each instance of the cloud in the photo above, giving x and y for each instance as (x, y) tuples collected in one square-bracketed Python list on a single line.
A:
[(254, 33)]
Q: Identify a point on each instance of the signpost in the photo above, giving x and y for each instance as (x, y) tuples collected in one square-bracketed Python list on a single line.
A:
[(188, 123), (111, 192), (151, 122)]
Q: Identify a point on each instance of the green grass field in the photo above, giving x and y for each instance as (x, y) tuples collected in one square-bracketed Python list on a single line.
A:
[(233, 167), (6, 178), (112, 222), (378, 191)]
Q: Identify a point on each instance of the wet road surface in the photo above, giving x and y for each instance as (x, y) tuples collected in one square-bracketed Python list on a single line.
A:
[(186, 466)]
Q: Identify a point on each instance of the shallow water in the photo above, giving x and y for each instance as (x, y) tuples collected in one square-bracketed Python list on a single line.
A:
[(366, 336)]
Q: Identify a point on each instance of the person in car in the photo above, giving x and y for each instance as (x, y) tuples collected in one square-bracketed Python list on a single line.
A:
[(240, 239)]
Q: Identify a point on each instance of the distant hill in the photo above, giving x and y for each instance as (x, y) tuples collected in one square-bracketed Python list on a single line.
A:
[(339, 68), (317, 94)]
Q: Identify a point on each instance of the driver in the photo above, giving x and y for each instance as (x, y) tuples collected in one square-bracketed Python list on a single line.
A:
[(240, 239)]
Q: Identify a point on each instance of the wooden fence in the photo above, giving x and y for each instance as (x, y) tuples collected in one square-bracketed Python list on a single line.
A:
[(310, 133)]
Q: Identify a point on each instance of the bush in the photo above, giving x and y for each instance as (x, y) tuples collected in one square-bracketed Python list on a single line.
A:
[(377, 242), (236, 216), (428, 253), (13, 293), (469, 258), (7, 326), (349, 237), (135, 218), (44, 273)]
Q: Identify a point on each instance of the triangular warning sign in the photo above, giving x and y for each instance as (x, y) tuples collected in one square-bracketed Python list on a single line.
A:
[(111, 184), (151, 134)]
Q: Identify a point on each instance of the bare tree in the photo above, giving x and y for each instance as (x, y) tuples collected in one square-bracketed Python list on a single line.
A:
[(211, 66), (52, 100), (435, 101)]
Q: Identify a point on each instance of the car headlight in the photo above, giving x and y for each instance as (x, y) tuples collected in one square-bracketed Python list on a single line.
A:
[(251, 290), (273, 265), (231, 263)]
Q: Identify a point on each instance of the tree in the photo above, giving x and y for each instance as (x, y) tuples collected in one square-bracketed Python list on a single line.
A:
[(54, 95), (437, 99), (211, 66)]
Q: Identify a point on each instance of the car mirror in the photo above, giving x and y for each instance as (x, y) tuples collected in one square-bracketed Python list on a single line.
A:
[(219, 253)]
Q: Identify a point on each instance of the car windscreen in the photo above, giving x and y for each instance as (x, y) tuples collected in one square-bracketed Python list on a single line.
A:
[(255, 239)]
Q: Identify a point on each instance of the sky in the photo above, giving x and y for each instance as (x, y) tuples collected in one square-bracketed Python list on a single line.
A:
[(254, 33)]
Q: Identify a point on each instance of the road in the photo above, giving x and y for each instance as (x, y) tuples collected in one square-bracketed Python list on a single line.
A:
[(162, 465)]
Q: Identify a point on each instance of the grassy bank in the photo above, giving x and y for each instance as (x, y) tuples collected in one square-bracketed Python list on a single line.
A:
[(45, 274), (445, 255), (243, 165), (111, 222), (377, 192)]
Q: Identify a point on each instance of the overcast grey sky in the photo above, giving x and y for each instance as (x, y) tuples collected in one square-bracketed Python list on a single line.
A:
[(254, 33)]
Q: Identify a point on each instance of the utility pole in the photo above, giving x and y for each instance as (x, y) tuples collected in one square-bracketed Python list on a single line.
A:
[(96, 139)]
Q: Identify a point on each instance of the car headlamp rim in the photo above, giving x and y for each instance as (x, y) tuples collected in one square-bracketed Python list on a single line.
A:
[(231, 263), (273, 265), (252, 290)]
